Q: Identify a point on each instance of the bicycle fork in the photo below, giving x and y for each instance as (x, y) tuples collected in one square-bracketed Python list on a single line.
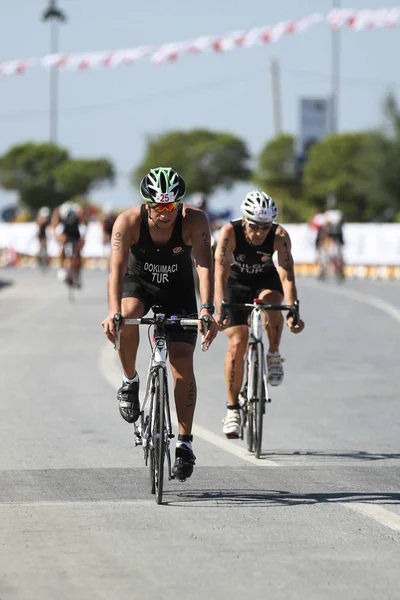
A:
[(143, 431)]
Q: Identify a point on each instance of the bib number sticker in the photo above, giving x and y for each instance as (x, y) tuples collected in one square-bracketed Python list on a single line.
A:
[(163, 197)]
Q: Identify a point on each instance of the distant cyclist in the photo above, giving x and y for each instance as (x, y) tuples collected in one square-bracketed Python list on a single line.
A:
[(69, 227), (332, 234), (244, 270), (316, 223), (43, 221), (151, 264)]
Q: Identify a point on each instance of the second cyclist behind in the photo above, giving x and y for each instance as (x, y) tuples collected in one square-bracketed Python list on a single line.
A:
[(244, 270)]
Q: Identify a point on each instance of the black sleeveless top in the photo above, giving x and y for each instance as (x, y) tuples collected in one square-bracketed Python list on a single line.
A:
[(252, 261), (166, 265)]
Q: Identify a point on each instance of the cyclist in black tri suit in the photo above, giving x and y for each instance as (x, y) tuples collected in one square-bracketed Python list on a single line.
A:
[(68, 224), (150, 265), (244, 270)]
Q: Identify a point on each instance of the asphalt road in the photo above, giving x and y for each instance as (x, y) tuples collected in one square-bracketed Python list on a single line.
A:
[(317, 517)]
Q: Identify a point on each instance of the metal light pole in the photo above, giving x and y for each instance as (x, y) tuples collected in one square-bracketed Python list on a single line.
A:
[(55, 16), (335, 71), (276, 96)]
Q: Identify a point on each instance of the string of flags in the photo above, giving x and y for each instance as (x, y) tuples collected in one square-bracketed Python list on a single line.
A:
[(356, 20)]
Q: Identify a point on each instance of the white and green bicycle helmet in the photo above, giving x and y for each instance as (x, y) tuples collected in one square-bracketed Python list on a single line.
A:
[(162, 185)]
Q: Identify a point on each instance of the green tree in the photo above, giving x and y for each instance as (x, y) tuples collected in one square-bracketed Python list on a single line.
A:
[(78, 177), (350, 166), (46, 175), (276, 175), (276, 164), (206, 160)]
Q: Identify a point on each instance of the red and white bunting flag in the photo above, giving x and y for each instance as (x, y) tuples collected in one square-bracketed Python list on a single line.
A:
[(357, 20)]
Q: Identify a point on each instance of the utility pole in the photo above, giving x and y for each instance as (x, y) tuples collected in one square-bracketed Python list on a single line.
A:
[(276, 97), (55, 16), (335, 71)]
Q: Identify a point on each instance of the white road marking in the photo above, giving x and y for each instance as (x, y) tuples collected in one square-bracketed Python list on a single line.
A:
[(386, 307), (90, 503), (112, 373), (377, 513)]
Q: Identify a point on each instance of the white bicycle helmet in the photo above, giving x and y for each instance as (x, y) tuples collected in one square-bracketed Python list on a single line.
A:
[(44, 212), (259, 207), (68, 210)]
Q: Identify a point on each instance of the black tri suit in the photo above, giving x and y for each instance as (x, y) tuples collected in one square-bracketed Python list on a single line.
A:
[(252, 271), (162, 275)]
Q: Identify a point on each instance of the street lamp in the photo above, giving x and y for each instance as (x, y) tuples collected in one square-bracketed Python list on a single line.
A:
[(55, 16)]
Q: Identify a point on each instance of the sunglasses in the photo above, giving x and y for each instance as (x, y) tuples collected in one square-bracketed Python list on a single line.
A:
[(258, 227), (168, 206)]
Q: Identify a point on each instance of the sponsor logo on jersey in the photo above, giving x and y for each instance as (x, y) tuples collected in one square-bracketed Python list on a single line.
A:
[(177, 250)]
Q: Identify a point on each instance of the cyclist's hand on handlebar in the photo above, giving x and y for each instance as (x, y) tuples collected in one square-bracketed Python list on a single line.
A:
[(221, 324), (295, 328), (109, 328), (208, 328)]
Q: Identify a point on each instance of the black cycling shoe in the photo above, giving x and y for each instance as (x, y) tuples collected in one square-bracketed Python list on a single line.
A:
[(128, 396), (184, 463)]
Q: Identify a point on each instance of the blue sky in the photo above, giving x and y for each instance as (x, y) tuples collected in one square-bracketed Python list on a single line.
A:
[(110, 111)]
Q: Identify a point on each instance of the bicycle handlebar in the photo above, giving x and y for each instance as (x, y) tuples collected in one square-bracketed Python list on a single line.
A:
[(291, 308), (169, 321), (159, 319)]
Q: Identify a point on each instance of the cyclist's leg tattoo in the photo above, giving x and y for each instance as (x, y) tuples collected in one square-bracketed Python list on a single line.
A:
[(192, 394), (232, 376)]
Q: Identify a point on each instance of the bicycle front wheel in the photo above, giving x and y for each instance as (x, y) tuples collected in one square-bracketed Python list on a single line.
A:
[(259, 403), (159, 434), (251, 429)]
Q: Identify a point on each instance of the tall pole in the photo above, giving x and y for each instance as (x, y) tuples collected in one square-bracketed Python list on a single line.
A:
[(54, 47), (276, 97), (335, 71), (55, 16)]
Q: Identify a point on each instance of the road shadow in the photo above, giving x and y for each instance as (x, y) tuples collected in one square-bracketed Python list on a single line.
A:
[(358, 455), (5, 283), (274, 498)]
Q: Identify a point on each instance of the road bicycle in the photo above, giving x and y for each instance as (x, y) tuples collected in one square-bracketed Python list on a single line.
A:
[(331, 262), (72, 279), (255, 394), (42, 256), (153, 430)]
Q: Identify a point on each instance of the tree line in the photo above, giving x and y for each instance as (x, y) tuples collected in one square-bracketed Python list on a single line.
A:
[(362, 169)]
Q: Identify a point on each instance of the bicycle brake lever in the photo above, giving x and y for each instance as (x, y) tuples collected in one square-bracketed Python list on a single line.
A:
[(296, 312), (117, 324), (206, 322)]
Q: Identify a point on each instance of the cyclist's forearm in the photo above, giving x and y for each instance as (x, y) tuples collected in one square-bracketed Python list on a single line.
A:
[(220, 294), (221, 280), (289, 290), (205, 285), (114, 292)]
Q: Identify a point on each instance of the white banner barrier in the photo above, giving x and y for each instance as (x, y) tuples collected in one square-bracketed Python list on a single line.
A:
[(365, 243)]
